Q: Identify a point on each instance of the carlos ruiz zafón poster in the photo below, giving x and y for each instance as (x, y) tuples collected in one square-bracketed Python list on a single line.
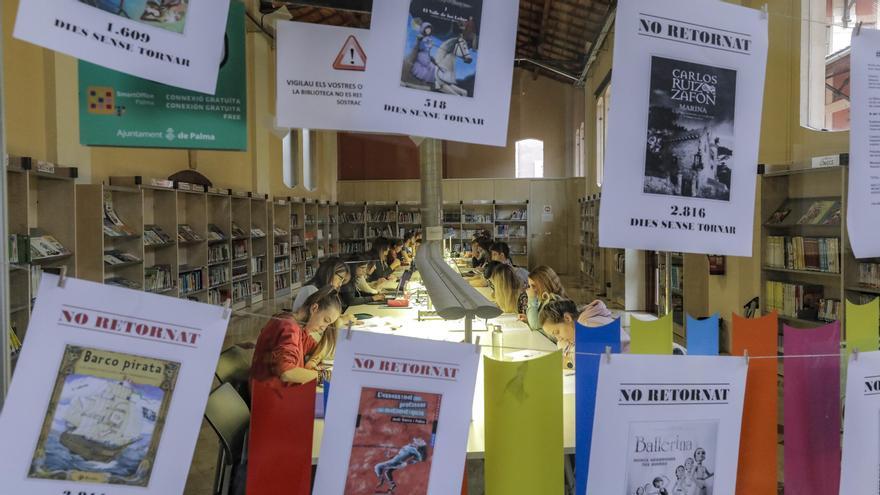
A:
[(684, 126)]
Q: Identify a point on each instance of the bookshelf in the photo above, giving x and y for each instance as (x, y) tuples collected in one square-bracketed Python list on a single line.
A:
[(333, 248), (280, 240), (804, 245), (260, 228), (240, 238), (352, 227), (298, 249), (192, 244), (219, 246), (109, 225), (512, 227), (160, 253), (313, 245), (381, 220), (592, 274), (41, 199)]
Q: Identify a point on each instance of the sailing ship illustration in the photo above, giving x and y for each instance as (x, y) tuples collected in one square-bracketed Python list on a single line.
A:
[(102, 425)]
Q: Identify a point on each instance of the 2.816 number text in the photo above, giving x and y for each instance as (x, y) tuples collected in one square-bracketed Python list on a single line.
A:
[(687, 211)]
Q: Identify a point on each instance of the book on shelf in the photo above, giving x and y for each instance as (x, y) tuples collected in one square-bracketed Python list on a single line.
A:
[(241, 290), (117, 257), (44, 245), (240, 249), (190, 279), (122, 282), (256, 292), (155, 236), (257, 233), (19, 249), (869, 275), (258, 264), (238, 232), (279, 232), (829, 310), (218, 274), (281, 282), (158, 278), (217, 296), (819, 254), (218, 253), (818, 212), (800, 211), (185, 233), (215, 233), (113, 224), (794, 300)]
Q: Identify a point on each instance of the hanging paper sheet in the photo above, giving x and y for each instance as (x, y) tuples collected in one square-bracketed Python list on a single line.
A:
[(589, 340), (398, 417), (757, 459), (523, 402), (861, 326), (667, 424), (651, 337), (811, 395), (174, 42), (109, 391), (702, 336), (687, 87), (861, 431)]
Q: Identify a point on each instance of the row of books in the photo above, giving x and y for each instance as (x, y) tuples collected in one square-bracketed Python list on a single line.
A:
[(793, 300), (117, 257), (351, 217), (352, 247), (516, 231), (217, 296), (215, 233), (869, 275), (811, 212), (282, 265), (258, 264), (384, 231), (158, 278), (310, 272), (821, 254), (281, 283), (189, 280), (300, 254), (155, 236), (478, 218), (218, 275), (239, 249), (829, 310), (185, 233), (515, 215), (113, 224), (241, 290), (282, 249), (19, 249), (218, 253), (381, 216)]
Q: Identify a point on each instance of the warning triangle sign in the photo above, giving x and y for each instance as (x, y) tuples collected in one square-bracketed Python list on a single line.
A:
[(351, 57)]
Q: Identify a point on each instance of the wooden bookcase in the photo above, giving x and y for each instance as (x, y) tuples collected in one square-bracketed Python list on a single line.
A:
[(352, 227), (311, 251), (280, 240), (219, 251), (333, 229), (160, 210), (192, 255), (409, 217), (591, 259), (797, 189), (240, 238), (92, 242), (260, 262), (512, 227), (41, 198)]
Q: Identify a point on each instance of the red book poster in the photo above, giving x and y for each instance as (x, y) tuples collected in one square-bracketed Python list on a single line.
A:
[(393, 442)]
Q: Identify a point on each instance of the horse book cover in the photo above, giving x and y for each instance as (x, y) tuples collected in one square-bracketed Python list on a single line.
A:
[(105, 418), (393, 442), (442, 44)]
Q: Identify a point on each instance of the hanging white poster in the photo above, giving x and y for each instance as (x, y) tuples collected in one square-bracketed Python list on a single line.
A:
[(860, 462), (682, 145), (398, 416), (864, 144), (174, 42), (321, 73), (109, 391), (432, 68), (674, 432)]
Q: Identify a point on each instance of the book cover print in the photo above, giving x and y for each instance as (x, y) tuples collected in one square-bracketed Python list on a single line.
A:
[(671, 458), (165, 14), (105, 418), (690, 130), (393, 442), (442, 45)]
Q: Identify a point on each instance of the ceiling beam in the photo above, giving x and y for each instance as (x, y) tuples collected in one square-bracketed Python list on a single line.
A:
[(545, 18)]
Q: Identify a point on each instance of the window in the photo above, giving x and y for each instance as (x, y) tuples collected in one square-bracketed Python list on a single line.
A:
[(603, 102), (529, 159), (826, 32), (579, 151)]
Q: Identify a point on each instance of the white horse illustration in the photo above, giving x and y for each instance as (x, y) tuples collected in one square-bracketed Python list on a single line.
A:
[(445, 79)]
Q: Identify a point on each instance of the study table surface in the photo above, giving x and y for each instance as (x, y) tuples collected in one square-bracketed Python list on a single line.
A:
[(519, 343)]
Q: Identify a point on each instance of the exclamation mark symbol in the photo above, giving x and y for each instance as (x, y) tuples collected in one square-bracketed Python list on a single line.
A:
[(352, 55)]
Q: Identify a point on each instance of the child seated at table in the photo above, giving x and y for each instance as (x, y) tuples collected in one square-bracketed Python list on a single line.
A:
[(292, 345)]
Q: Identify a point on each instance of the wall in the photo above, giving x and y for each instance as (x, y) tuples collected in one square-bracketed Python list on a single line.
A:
[(43, 122), (539, 109)]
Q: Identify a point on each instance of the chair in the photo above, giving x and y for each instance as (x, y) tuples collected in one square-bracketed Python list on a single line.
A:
[(229, 416), (233, 367)]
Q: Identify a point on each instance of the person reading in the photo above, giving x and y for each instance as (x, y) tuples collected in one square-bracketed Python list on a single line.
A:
[(544, 285), (292, 346), (331, 271)]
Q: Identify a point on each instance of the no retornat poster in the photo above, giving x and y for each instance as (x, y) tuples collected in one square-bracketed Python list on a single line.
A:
[(398, 416), (109, 391), (684, 126), (117, 109), (174, 42), (675, 432), (431, 68)]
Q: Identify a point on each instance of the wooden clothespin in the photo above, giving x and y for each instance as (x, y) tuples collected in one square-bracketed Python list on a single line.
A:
[(855, 353), (62, 278), (348, 332), (608, 354), (746, 356), (765, 11), (227, 309), (477, 345), (858, 28)]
